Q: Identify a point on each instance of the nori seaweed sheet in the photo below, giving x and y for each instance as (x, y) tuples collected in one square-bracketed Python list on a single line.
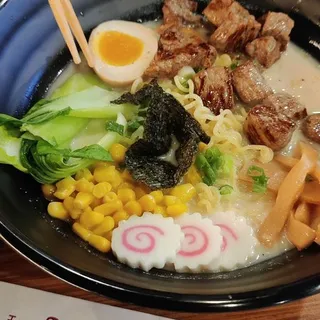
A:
[(165, 117)]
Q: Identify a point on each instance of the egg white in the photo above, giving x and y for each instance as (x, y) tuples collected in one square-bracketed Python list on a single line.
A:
[(124, 75)]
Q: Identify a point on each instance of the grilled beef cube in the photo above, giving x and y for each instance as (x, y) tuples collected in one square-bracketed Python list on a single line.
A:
[(287, 105), (180, 11), (311, 128), (233, 35), (214, 86), (249, 83), (267, 127), (178, 47), (277, 25), (174, 37), (219, 11), (265, 49)]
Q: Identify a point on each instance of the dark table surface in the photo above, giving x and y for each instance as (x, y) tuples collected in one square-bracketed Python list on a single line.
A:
[(15, 269)]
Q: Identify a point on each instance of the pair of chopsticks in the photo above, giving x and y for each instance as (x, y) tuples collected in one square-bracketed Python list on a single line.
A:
[(68, 23)]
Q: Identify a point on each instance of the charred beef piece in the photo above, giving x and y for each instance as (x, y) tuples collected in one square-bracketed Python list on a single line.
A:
[(180, 11), (219, 11), (267, 127), (287, 105), (214, 86), (178, 47), (249, 83), (265, 49), (277, 25), (311, 128), (236, 27), (233, 35), (176, 37)]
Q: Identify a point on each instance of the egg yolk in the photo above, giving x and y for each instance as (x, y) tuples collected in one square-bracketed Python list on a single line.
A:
[(119, 49)]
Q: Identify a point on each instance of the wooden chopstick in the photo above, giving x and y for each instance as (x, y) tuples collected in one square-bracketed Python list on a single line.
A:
[(77, 30), (68, 22)]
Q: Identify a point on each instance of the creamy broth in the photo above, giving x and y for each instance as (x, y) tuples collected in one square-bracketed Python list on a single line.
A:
[(296, 73), (255, 208)]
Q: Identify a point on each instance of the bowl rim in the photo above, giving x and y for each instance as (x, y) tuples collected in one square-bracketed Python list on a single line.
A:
[(273, 296)]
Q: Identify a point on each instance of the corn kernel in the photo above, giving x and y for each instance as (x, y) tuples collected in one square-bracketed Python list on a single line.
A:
[(202, 146), (101, 189), (126, 195), (110, 197), (184, 192), (126, 185), (170, 200), (109, 235), (99, 243), (83, 200), (48, 190), (160, 210), (126, 176), (193, 176), (101, 164), (176, 209), (91, 219), (65, 188), (108, 174), (109, 208), (104, 227), (120, 216), (68, 203), (57, 210), (133, 208), (147, 202), (84, 185), (87, 209), (62, 194), (117, 181), (82, 232), (65, 183), (157, 195), (96, 202), (118, 152), (75, 213), (84, 174)]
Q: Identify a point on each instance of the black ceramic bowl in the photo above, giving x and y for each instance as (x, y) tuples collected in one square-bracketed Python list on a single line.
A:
[(32, 55)]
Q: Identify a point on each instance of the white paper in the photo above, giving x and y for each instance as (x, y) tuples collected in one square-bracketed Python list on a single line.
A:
[(21, 303)]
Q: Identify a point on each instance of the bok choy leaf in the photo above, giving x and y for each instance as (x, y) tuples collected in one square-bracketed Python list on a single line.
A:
[(93, 103), (10, 146), (48, 164)]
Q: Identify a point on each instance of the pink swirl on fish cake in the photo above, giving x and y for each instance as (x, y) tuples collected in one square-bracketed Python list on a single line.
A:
[(224, 239), (139, 237), (187, 230)]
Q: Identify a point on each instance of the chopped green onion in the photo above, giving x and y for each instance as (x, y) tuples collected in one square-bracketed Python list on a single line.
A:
[(213, 164), (135, 123), (234, 65), (113, 126), (214, 157), (260, 180), (225, 190), (202, 164)]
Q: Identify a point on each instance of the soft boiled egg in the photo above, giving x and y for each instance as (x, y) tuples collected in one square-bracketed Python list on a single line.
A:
[(122, 51)]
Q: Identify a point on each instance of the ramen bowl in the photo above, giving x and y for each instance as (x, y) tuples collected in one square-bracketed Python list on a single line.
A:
[(32, 56)]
